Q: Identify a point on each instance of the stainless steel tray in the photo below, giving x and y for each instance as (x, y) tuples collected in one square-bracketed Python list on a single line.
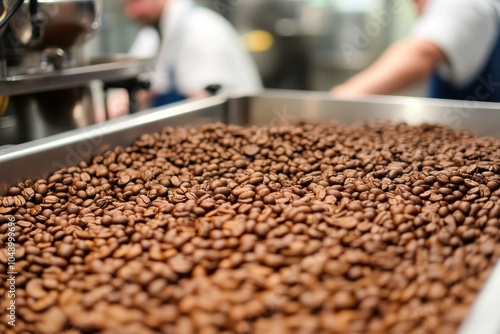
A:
[(39, 158), (108, 70)]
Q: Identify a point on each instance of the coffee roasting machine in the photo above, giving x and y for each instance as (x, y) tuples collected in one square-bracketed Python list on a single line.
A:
[(47, 86)]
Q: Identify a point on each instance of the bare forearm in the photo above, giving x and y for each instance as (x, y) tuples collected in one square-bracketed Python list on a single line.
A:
[(403, 64)]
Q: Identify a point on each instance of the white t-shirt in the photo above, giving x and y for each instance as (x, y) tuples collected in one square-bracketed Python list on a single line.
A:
[(146, 44), (201, 47), (465, 30)]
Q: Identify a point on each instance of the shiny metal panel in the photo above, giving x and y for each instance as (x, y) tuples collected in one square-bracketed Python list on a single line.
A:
[(284, 106), (39, 117), (74, 77), (483, 318)]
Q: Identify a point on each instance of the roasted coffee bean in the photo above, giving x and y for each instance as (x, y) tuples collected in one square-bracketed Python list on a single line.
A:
[(251, 150), (180, 264), (430, 180), (44, 303), (271, 200), (34, 289), (471, 169), (119, 219), (208, 204), (65, 250), (494, 212), (437, 290), (285, 228), (443, 178), (457, 180), (493, 185), (347, 223), (344, 300), (14, 191)]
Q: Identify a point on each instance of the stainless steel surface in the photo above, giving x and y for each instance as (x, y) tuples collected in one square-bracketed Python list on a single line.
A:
[(274, 106), (72, 77), (483, 318), (8, 130), (269, 107), (37, 159), (38, 115), (63, 23)]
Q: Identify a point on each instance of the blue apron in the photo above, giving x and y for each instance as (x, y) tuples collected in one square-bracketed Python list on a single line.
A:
[(174, 94), (485, 88)]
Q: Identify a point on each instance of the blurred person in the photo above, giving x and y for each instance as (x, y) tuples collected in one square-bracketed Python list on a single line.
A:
[(454, 42), (195, 48)]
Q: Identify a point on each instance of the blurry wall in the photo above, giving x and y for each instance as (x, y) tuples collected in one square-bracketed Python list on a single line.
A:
[(116, 33)]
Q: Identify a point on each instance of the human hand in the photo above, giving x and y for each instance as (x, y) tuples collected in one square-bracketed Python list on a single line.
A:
[(117, 102), (345, 91)]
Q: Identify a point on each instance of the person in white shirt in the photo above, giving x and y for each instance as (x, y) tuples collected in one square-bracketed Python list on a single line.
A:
[(196, 48), (456, 42)]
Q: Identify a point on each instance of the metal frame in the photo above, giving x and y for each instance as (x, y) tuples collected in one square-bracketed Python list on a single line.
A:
[(33, 159), (73, 77)]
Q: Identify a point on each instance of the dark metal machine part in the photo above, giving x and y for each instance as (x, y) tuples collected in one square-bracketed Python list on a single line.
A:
[(51, 86), (64, 24), (39, 158)]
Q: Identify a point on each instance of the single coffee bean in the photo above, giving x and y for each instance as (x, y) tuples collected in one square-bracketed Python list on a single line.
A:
[(180, 264), (251, 150), (457, 180), (443, 178), (44, 303), (119, 219), (494, 212), (208, 204), (347, 223), (471, 169), (344, 300), (34, 289), (65, 250)]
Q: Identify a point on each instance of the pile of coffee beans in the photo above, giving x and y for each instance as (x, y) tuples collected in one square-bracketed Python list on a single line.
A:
[(296, 228)]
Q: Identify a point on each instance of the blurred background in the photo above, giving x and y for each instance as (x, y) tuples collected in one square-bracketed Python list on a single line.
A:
[(296, 44), (309, 45)]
